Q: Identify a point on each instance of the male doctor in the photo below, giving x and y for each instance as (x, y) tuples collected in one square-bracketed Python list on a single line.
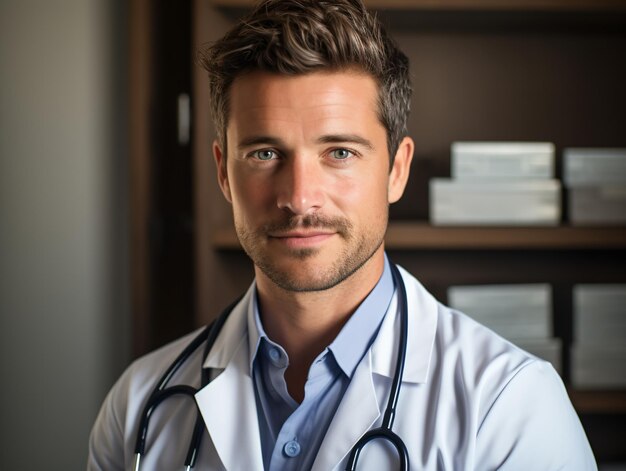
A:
[(310, 100)]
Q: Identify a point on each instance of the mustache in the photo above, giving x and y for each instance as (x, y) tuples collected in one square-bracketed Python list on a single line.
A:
[(314, 221)]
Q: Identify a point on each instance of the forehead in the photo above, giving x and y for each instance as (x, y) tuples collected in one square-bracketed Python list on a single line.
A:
[(315, 99)]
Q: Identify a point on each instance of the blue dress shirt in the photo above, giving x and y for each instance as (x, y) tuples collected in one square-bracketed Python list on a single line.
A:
[(291, 433)]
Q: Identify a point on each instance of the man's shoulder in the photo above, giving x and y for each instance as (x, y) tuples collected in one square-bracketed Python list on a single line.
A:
[(142, 374), (455, 327), (158, 360), (460, 336), (457, 335), (485, 363)]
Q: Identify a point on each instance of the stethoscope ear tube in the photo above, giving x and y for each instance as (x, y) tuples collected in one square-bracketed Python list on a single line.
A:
[(162, 392), (194, 446), (156, 398), (137, 461), (384, 431), (158, 395)]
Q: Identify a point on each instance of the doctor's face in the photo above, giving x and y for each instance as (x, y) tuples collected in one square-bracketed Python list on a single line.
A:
[(307, 173)]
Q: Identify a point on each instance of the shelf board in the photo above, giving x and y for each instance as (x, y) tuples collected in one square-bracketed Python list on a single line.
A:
[(411, 235), (473, 5), (423, 236), (599, 402)]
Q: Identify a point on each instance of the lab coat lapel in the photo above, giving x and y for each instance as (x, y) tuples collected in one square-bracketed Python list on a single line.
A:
[(227, 403), (361, 407), (228, 407), (356, 413), (422, 327)]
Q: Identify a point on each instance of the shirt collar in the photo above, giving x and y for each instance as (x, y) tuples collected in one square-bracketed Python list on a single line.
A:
[(359, 332), (255, 328), (355, 337)]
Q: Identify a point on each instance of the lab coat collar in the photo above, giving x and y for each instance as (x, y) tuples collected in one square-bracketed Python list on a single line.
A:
[(355, 415), (227, 404), (361, 406), (231, 334), (422, 327), (421, 333)]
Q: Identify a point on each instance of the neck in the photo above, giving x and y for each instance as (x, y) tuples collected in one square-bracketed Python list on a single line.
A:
[(304, 323)]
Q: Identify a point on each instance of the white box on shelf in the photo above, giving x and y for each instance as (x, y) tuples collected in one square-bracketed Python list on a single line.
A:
[(599, 314), (486, 160), (597, 205), (501, 202), (598, 367), (517, 312), (548, 349), (592, 167)]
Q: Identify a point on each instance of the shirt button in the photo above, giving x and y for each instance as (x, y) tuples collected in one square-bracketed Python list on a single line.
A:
[(274, 355), (292, 448)]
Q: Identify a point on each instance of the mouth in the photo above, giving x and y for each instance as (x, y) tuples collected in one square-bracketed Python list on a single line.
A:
[(301, 238)]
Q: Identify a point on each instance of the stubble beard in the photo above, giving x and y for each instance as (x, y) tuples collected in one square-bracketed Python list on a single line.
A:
[(358, 250)]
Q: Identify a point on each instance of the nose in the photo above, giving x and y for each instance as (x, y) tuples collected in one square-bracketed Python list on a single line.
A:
[(300, 187)]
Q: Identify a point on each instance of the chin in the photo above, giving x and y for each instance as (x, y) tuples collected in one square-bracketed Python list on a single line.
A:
[(303, 284)]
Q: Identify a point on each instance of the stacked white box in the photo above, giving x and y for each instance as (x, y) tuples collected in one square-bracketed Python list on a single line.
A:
[(509, 160), (599, 349), (596, 180), (600, 314), (599, 367), (498, 183), (521, 313), (594, 167), (597, 205), (501, 202)]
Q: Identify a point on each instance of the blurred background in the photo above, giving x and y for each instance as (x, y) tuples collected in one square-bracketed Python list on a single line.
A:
[(115, 239), (65, 315)]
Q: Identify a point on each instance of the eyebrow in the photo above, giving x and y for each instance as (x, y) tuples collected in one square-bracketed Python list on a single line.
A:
[(255, 140), (347, 138), (327, 139)]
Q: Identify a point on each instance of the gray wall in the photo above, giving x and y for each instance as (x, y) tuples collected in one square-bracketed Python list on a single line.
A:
[(64, 300)]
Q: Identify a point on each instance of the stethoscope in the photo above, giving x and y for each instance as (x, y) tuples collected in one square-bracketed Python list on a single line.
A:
[(208, 336)]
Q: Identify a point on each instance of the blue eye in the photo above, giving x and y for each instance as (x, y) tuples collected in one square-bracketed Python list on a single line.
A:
[(264, 154), (341, 154)]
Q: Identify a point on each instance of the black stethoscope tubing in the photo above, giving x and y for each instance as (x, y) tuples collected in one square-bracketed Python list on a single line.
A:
[(384, 432), (161, 391)]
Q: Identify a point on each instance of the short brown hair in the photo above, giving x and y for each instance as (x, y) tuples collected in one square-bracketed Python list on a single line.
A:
[(299, 36)]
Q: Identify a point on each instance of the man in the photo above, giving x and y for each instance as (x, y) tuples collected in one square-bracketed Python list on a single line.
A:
[(310, 100)]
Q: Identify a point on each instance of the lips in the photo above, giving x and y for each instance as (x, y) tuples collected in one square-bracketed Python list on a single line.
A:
[(301, 239), (300, 234), (310, 231)]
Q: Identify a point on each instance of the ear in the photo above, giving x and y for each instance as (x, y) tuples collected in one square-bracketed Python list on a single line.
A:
[(222, 171), (399, 174)]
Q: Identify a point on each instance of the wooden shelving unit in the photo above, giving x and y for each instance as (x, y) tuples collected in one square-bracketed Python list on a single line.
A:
[(482, 70), (423, 236)]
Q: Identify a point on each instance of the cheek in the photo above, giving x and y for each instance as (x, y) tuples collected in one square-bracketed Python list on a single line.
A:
[(249, 194), (364, 194)]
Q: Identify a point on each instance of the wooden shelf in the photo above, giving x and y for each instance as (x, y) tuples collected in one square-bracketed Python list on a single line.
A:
[(473, 5), (423, 236), (599, 402), (410, 235)]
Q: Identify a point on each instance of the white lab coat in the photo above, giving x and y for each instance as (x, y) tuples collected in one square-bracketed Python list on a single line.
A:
[(469, 400)]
